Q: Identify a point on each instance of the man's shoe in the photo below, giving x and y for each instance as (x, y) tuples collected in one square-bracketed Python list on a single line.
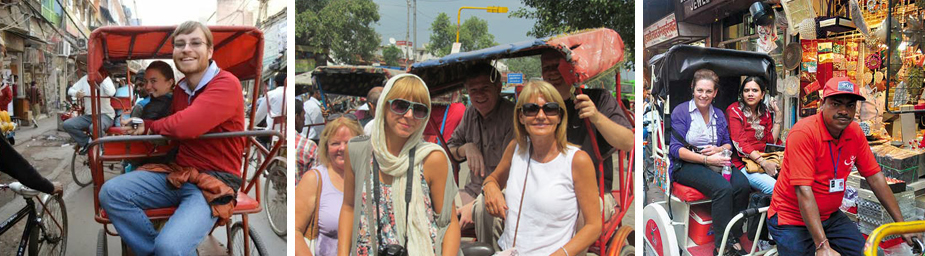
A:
[(83, 150)]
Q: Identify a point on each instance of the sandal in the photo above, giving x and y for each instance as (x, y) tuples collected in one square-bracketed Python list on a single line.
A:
[(732, 246)]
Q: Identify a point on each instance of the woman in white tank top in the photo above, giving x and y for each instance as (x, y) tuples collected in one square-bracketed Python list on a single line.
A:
[(548, 182)]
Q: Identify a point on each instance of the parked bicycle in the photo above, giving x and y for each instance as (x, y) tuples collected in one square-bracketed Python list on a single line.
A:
[(46, 226)]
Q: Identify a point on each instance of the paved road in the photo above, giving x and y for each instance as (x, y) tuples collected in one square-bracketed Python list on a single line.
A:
[(48, 150)]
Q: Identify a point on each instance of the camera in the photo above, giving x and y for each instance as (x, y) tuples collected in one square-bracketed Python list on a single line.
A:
[(392, 250), (136, 122)]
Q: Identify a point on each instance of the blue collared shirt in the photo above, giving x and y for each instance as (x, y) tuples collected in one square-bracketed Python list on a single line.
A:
[(209, 74)]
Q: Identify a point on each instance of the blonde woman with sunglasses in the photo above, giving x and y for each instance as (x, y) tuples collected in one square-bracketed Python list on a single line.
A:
[(548, 183), (394, 173)]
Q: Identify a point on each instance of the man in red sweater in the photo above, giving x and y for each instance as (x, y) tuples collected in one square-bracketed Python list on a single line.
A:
[(208, 100)]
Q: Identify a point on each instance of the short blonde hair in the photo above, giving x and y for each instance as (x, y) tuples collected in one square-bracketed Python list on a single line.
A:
[(409, 88), (190, 26), (531, 91), (330, 129)]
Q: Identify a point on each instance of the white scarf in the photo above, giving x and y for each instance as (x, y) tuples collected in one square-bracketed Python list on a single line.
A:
[(397, 166)]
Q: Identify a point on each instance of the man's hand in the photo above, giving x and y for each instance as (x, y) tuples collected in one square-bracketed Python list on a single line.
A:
[(128, 130), (825, 250), (59, 189), (80, 95), (465, 215), (586, 108), (909, 237), (474, 159)]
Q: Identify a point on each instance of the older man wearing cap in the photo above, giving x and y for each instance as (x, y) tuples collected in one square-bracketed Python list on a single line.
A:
[(820, 152)]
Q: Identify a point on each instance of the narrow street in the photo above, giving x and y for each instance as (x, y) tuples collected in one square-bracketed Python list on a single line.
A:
[(50, 152)]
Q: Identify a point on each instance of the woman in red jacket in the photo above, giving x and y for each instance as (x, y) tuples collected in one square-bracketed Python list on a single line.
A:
[(752, 125), (6, 96)]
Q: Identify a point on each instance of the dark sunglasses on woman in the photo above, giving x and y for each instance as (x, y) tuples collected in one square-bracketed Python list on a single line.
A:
[(400, 107), (532, 109)]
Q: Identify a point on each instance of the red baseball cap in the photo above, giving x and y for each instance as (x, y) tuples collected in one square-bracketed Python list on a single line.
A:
[(841, 85)]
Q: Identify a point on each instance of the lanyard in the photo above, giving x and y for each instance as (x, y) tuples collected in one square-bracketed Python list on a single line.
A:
[(835, 160)]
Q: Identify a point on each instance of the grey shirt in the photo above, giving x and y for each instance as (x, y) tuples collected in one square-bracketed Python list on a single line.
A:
[(491, 133)]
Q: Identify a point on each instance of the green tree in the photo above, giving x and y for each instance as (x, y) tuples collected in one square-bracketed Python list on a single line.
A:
[(530, 66), (559, 16), (340, 30), (473, 35), (391, 54)]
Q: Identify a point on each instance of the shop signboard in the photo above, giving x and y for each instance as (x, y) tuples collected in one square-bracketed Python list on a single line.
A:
[(661, 31)]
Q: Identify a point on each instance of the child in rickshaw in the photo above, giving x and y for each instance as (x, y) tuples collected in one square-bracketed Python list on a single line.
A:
[(203, 180)]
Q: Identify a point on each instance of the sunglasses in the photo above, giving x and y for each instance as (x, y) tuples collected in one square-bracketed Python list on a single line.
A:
[(400, 107), (350, 116), (532, 109)]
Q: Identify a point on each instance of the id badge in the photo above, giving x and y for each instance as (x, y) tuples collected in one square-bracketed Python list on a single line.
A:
[(836, 185)]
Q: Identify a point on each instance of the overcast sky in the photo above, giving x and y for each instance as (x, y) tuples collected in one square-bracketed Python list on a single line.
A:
[(174, 12), (393, 20)]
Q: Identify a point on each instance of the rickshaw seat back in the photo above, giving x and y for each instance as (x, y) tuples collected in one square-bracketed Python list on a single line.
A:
[(246, 205), (121, 103)]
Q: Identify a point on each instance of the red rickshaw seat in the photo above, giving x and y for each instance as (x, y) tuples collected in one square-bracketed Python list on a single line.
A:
[(686, 194), (246, 204)]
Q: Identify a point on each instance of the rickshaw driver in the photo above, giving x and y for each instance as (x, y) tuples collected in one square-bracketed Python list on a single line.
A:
[(77, 126), (601, 109), (480, 139), (208, 100), (804, 215)]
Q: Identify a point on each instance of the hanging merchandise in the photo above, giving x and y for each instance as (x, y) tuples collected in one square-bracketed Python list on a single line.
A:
[(808, 69), (808, 29), (767, 35), (914, 76), (858, 17), (797, 11), (792, 56), (834, 21), (791, 86)]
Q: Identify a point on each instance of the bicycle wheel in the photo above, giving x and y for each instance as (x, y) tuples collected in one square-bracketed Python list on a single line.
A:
[(80, 169), (50, 236), (274, 196), (237, 240)]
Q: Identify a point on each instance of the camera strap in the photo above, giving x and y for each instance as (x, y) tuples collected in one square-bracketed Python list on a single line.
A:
[(407, 194)]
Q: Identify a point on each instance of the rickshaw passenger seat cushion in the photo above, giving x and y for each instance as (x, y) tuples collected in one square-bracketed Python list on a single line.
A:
[(686, 194), (246, 204)]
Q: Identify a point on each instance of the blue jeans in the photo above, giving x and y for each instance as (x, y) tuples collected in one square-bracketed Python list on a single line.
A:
[(844, 236), (126, 196), (77, 127), (760, 181)]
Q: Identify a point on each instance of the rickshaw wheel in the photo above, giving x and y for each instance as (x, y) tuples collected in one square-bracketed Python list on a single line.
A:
[(237, 241), (101, 244), (80, 169), (620, 240), (274, 195)]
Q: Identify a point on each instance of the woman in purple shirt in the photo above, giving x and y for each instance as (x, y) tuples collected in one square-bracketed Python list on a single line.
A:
[(698, 162), (330, 176)]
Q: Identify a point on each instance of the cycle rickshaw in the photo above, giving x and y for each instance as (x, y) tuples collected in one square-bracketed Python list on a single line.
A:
[(667, 223), (238, 50), (592, 53)]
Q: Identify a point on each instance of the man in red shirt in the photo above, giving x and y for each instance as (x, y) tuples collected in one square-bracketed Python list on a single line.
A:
[(820, 152), (208, 100)]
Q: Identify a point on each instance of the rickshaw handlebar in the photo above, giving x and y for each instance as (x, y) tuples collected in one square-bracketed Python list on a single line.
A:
[(895, 228), (217, 135)]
